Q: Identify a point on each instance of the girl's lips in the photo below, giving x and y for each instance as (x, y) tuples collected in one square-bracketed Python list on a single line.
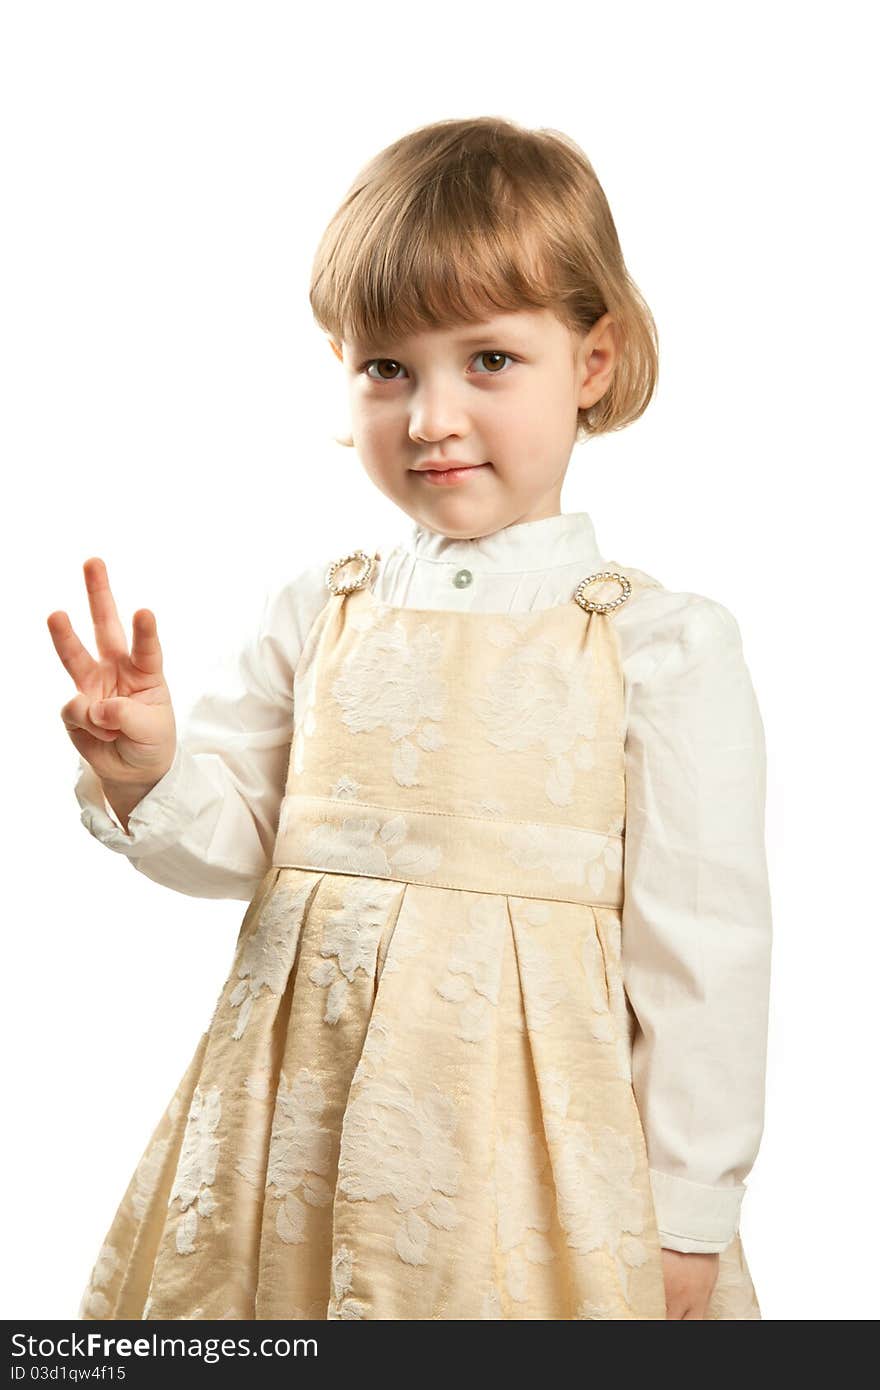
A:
[(447, 476)]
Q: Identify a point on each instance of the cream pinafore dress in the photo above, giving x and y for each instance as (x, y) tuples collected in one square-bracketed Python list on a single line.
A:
[(413, 1099)]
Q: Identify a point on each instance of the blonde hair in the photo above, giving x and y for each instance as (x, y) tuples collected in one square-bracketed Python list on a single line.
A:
[(463, 218)]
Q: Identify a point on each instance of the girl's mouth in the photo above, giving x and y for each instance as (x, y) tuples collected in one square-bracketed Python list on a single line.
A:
[(447, 476)]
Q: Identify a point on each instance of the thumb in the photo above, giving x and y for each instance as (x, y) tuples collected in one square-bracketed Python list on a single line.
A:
[(125, 715)]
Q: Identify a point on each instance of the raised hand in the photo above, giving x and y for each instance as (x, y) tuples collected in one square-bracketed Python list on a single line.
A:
[(121, 719)]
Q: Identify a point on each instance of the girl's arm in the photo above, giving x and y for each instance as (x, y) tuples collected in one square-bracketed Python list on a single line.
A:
[(207, 828), (697, 920)]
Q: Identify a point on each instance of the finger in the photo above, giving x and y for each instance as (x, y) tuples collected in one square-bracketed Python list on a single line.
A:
[(76, 660), (125, 716), (146, 653), (75, 715), (109, 633)]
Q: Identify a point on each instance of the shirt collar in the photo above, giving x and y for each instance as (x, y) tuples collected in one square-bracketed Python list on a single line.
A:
[(551, 542)]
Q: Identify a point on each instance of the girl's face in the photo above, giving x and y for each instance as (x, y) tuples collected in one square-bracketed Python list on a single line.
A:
[(500, 398)]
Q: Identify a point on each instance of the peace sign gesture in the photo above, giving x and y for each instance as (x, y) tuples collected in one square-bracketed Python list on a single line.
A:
[(120, 720)]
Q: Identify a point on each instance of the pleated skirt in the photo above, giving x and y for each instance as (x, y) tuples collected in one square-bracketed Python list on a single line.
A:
[(410, 1102)]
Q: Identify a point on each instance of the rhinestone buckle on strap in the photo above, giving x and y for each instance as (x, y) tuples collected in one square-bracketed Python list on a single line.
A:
[(363, 577), (590, 605)]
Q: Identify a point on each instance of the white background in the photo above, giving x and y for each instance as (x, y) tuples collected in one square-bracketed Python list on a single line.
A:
[(170, 405)]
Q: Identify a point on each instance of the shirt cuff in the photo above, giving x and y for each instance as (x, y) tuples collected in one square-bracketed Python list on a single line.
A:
[(693, 1217), (154, 823)]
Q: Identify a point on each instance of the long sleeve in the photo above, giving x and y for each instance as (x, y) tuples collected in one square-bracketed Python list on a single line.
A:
[(697, 922), (208, 827)]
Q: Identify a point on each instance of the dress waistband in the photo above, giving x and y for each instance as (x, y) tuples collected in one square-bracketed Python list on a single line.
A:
[(482, 854)]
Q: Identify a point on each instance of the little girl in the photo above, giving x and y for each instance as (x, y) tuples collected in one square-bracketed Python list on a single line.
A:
[(472, 1060)]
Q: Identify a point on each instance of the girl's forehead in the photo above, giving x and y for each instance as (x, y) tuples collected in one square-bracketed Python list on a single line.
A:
[(524, 321)]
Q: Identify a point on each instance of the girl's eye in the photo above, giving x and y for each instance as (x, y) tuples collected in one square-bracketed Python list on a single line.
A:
[(382, 362), (493, 353)]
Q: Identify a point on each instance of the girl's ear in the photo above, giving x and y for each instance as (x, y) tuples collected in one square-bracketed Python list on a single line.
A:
[(337, 350)]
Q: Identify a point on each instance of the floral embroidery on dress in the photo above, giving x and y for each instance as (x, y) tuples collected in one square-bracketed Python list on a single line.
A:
[(600, 1201), (350, 940), (600, 1305), (524, 1203), (345, 788), (258, 1084), (544, 989), (197, 1167), (343, 1306), (198, 1315), (569, 854), (392, 680), (365, 845), (300, 1153), (534, 911), (556, 1090), (268, 952), (149, 1169), (94, 1302), (473, 978), (538, 698), (401, 1146)]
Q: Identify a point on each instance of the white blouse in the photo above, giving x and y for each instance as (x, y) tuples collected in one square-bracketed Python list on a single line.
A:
[(696, 918)]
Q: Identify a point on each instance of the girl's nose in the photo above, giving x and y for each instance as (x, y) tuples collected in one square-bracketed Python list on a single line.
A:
[(436, 417)]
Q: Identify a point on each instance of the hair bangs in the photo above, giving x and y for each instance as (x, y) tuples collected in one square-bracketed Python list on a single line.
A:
[(434, 263)]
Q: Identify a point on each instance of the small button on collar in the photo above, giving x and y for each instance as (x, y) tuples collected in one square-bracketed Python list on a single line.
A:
[(462, 579)]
